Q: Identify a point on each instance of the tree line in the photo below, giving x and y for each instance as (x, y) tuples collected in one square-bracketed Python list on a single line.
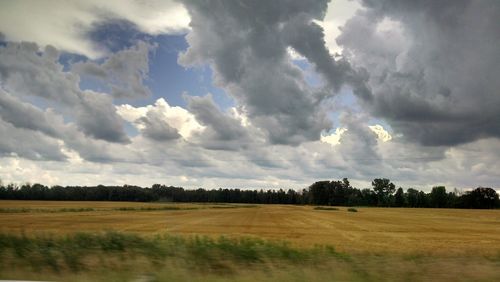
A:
[(330, 193)]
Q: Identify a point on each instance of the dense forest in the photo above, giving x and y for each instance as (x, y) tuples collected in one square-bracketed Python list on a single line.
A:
[(332, 193)]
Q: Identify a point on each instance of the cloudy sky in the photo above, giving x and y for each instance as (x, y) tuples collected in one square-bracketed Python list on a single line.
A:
[(257, 94)]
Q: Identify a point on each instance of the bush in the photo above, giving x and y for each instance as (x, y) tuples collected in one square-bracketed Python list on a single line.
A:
[(352, 210), (326, 208)]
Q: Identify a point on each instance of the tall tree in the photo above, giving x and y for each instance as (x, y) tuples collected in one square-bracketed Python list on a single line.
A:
[(384, 189), (399, 198), (438, 197), (480, 198), (412, 197)]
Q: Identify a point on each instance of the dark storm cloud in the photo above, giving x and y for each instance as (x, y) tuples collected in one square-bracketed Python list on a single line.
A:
[(434, 72), (307, 38), (25, 71), (246, 44)]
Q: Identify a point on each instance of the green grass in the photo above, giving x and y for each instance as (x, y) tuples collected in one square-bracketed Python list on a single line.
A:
[(115, 256), (71, 251)]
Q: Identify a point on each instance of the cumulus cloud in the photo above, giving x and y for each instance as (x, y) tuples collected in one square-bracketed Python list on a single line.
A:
[(334, 138), (423, 74), (381, 132), (183, 121), (123, 72), (28, 144), (338, 12), (156, 128), (247, 49), (26, 71), (222, 131), (25, 115), (97, 117), (65, 24), (432, 66)]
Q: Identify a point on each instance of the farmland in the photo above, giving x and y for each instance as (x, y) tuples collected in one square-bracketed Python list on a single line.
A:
[(411, 239)]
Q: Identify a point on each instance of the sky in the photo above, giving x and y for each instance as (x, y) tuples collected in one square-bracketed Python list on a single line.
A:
[(250, 94)]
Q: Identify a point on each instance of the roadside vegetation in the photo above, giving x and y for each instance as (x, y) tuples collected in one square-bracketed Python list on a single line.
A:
[(83, 252), (115, 256)]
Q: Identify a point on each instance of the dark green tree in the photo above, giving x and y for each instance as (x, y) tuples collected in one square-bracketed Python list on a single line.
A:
[(480, 198), (412, 197), (399, 198), (422, 200), (438, 197), (384, 189)]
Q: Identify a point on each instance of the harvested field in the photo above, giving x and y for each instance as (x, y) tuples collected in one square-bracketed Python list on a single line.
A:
[(443, 232)]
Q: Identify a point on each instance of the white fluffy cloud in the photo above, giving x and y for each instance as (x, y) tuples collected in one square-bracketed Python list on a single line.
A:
[(177, 117), (66, 24), (381, 132), (333, 138)]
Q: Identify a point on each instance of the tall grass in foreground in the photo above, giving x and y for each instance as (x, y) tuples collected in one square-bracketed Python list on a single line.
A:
[(115, 256), (72, 252)]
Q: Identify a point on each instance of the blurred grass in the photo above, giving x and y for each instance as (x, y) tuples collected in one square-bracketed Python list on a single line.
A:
[(70, 251), (116, 256)]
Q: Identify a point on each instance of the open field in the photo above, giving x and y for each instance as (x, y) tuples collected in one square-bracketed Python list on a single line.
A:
[(369, 245), (376, 230)]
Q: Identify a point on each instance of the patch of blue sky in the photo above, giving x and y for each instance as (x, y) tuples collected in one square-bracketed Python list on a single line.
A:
[(169, 80), (343, 101), (166, 78), (310, 75)]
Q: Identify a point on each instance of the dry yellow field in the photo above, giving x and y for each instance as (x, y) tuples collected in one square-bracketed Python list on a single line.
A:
[(440, 232)]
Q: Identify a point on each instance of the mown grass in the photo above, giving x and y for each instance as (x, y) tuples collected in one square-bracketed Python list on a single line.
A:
[(29, 210), (165, 208), (220, 206), (440, 232), (146, 208)]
